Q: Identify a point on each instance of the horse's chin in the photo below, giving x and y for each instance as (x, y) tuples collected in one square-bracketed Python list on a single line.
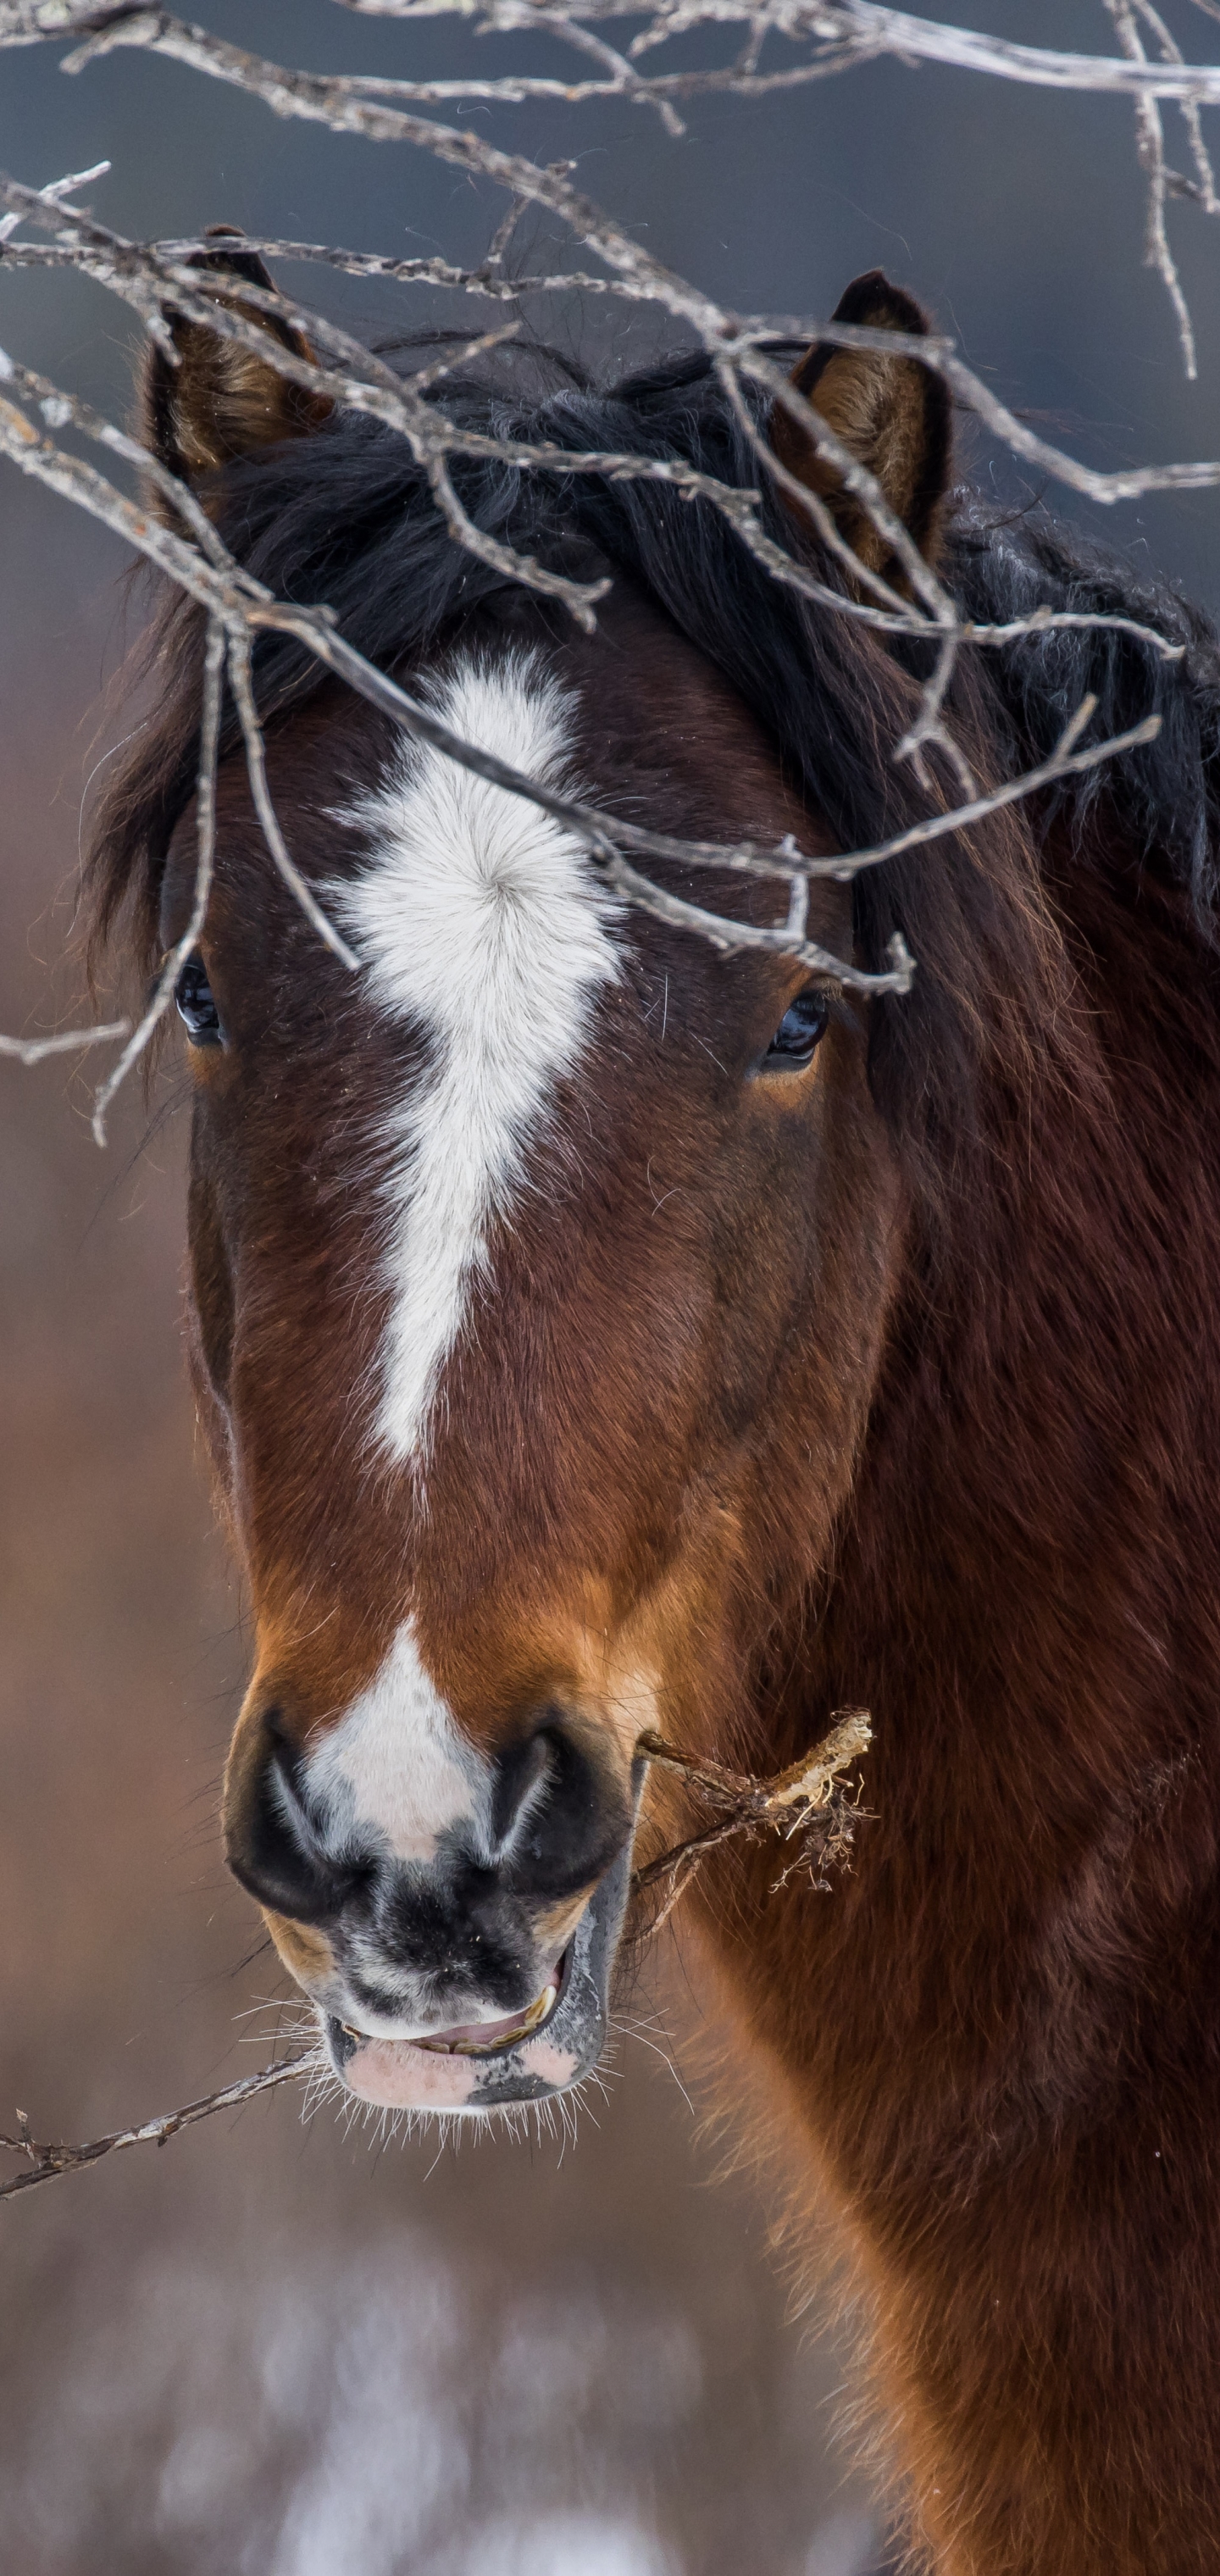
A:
[(555, 2047)]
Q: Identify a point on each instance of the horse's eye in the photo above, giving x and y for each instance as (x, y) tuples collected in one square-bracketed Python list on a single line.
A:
[(193, 995), (804, 1022)]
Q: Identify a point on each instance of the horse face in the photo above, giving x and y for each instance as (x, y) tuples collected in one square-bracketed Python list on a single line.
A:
[(539, 1275)]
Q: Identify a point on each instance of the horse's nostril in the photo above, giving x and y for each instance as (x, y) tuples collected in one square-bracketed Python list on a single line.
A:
[(521, 1775), (271, 1844), (559, 1815)]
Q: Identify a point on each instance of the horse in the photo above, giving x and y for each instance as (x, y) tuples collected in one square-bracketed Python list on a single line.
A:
[(595, 1332)]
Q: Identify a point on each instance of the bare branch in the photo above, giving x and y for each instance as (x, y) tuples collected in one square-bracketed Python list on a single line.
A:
[(404, 408), (1150, 145), (59, 408), (849, 32), (55, 192), (33, 22), (606, 836), (205, 825), (1204, 187), (730, 337), (33, 1050), (44, 2163), (806, 1804), (256, 770)]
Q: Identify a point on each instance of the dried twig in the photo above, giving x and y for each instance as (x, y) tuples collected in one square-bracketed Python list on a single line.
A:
[(809, 1805), (34, 1050), (45, 2163), (205, 825), (845, 32), (730, 335), (242, 685), (1150, 144)]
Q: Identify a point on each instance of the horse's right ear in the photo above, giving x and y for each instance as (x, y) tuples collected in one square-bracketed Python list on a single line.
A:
[(223, 399), (891, 413)]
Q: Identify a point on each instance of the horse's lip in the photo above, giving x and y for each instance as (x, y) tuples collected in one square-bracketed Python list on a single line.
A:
[(554, 2053), (488, 2038)]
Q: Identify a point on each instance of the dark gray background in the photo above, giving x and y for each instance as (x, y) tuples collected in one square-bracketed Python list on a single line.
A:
[(268, 2349)]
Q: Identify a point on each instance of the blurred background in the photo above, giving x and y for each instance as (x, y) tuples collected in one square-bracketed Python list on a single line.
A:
[(280, 2348)]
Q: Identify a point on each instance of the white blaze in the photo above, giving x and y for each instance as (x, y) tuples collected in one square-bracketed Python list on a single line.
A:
[(397, 1764), (479, 922)]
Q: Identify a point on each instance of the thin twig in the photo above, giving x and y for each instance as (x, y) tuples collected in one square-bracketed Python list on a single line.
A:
[(242, 686), (205, 825), (32, 1050), (807, 1804), (46, 2163), (1204, 186), (1150, 145), (243, 606)]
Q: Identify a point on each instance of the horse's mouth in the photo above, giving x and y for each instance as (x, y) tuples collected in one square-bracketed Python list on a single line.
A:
[(492, 2038), (477, 2066), (479, 2038)]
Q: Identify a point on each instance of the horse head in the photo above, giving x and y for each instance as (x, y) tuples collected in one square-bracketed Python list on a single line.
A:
[(539, 1268)]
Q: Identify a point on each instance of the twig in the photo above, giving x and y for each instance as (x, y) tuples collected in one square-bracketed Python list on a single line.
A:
[(55, 193), (733, 334), (45, 2163), (806, 1804), (144, 272), (132, 270), (242, 606), (1203, 189), (849, 32), (241, 683), (1150, 145), (32, 1050), (205, 824)]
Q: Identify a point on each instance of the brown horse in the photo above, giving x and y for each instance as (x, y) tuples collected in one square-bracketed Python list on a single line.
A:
[(592, 1332)]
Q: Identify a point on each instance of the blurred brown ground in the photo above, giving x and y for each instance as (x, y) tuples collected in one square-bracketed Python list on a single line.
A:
[(270, 2347)]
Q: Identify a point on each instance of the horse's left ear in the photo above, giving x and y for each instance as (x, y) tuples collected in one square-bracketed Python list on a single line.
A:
[(223, 399), (892, 413)]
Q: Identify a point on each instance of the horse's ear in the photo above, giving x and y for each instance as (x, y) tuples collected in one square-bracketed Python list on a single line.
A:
[(892, 413), (223, 400)]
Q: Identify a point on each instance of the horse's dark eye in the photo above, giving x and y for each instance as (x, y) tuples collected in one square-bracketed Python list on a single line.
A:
[(804, 1022), (193, 995)]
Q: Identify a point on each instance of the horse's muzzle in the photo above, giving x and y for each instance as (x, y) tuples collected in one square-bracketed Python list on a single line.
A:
[(533, 2059), (475, 1976)]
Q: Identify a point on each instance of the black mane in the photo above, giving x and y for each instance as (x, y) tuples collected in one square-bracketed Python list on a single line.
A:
[(1167, 790), (346, 517)]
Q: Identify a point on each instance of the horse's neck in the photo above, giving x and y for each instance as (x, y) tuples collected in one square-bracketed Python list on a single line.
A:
[(1033, 1575), (1007, 2036)]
